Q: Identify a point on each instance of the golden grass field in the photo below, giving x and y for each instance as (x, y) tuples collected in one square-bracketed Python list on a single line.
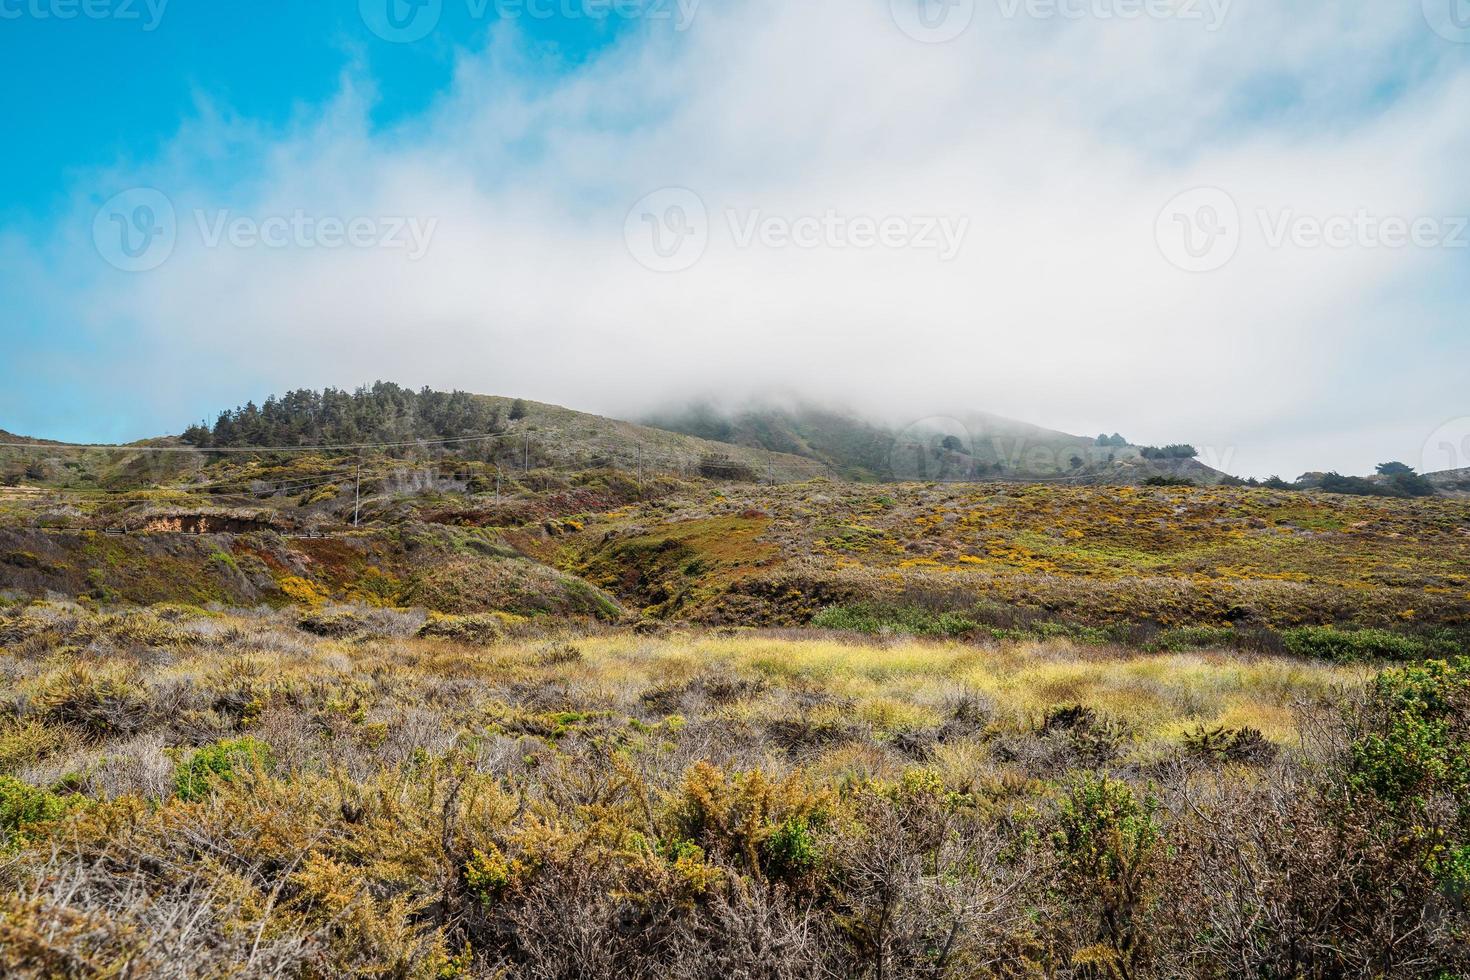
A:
[(358, 791), (598, 729)]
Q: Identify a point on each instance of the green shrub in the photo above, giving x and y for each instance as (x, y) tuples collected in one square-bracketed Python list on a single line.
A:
[(1194, 638), (1107, 842), (1091, 635), (1104, 831), (195, 777), (223, 559), (1350, 646), (878, 618), (1413, 765), (487, 873), (1419, 745), (23, 806), (791, 850)]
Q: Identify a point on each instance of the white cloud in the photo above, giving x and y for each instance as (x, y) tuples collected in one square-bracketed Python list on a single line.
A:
[(1059, 142)]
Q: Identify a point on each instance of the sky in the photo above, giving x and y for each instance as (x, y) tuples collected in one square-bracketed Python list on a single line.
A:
[(1235, 223)]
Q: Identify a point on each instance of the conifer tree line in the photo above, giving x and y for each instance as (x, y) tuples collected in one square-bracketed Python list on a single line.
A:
[(383, 413)]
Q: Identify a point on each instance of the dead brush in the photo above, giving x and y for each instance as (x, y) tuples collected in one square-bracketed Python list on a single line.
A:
[(808, 732), (558, 655), (76, 916), (27, 741), (336, 624), (132, 630), (727, 690), (1077, 735), (479, 629), (98, 706), (664, 699)]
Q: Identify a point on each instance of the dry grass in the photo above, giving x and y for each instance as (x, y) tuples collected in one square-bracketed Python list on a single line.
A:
[(185, 793)]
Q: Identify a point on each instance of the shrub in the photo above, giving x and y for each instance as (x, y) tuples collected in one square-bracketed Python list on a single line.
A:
[(736, 816), (1089, 738), (1417, 747), (1348, 646), (1106, 844), (99, 706), (335, 623), (302, 591), (487, 873), (22, 743), (1220, 744), (482, 628), (791, 850), (1194, 638), (195, 777), (321, 495), (136, 628), (1093, 635), (559, 655), (876, 618), (23, 806), (1409, 772)]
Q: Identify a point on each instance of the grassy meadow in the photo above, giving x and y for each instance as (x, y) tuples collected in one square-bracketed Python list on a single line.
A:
[(359, 791), (590, 726)]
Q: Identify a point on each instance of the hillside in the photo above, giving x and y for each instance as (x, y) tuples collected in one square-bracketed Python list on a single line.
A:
[(41, 462), (397, 428), (511, 432), (720, 553), (1003, 555), (567, 438), (973, 446), (540, 721)]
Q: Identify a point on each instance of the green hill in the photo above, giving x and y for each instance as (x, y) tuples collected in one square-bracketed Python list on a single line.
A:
[(973, 446)]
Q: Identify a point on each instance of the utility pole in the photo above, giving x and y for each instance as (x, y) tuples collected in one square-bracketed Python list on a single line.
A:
[(526, 454), (357, 501), (497, 486), (640, 471)]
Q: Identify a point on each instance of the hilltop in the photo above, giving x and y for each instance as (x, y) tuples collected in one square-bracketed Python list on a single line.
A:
[(970, 446)]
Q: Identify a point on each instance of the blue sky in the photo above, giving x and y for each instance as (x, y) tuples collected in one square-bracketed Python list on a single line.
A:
[(1047, 175), (100, 90)]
